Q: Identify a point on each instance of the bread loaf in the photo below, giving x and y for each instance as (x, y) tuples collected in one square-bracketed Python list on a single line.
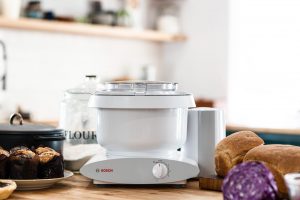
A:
[(280, 159), (232, 149)]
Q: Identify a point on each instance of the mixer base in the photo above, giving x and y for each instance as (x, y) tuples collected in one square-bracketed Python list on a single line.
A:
[(140, 171), (103, 183)]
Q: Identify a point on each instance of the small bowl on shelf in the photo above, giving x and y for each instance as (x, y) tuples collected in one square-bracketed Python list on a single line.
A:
[(292, 181)]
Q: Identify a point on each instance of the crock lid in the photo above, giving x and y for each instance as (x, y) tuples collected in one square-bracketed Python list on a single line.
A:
[(28, 129), (18, 128), (141, 94)]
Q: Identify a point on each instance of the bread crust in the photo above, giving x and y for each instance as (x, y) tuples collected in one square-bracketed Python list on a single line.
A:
[(232, 149), (280, 159)]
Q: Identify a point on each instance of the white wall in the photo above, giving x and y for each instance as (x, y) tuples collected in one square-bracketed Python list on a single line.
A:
[(200, 64), (264, 68), (42, 65)]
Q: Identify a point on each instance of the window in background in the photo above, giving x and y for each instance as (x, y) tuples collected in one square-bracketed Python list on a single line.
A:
[(264, 63)]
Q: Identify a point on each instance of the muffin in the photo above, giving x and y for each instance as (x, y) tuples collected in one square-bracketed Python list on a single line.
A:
[(4, 156), (23, 163), (51, 163)]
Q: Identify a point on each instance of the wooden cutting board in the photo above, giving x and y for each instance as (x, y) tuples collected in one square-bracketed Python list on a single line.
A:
[(212, 182)]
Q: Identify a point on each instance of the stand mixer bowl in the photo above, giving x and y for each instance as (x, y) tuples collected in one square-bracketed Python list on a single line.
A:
[(141, 118)]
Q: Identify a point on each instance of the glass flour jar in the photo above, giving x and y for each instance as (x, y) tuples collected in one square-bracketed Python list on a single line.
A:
[(79, 124)]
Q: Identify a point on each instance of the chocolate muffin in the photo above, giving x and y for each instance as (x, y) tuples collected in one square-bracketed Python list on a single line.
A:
[(23, 163), (51, 163), (4, 156)]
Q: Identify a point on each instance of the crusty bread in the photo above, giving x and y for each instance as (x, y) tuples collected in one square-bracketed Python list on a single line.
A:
[(232, 149), (280, 159)]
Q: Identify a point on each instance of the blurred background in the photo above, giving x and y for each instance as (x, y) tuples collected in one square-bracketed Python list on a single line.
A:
[(238, 55)]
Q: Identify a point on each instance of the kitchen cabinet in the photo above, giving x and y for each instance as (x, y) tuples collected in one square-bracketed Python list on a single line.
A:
[(79, 187)]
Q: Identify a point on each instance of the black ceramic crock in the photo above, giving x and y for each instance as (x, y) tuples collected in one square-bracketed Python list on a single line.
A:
[(30, 135)]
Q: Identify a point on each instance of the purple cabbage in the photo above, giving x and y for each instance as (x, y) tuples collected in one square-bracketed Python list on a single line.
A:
[(250, 181)]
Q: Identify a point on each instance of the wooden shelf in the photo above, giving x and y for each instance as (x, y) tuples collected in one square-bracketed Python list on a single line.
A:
[(90, 30)]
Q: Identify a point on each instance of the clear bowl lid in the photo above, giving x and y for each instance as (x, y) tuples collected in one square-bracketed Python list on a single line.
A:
[(141, 95), (147, 88)]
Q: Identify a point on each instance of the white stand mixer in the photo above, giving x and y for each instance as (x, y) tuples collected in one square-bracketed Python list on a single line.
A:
[(142, 125)]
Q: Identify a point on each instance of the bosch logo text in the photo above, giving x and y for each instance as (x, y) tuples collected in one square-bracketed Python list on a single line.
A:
[(108, 170)]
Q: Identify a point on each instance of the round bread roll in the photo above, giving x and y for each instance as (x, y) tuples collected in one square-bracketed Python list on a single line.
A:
[(280, 159), (6, 188), (232, 149)]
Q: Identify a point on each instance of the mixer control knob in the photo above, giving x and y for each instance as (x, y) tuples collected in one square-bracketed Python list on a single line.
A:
[(160, 170)]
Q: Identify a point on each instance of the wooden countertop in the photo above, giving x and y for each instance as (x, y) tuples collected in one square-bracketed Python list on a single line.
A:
[(286, 131), (79, 187)]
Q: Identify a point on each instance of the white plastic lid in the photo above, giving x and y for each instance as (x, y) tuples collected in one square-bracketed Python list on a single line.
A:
[(141, 94)]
